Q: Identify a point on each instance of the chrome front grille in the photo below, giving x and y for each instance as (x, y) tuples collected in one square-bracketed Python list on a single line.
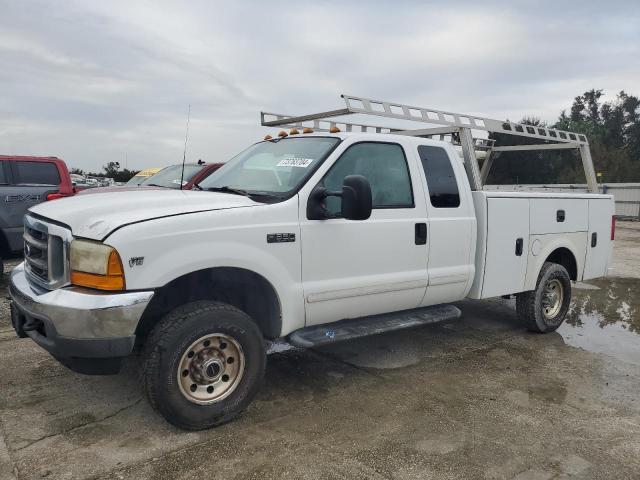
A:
[(36, 255), (46, 252)]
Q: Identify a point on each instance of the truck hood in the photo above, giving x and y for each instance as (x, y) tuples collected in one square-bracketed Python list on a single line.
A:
[(96, 216)]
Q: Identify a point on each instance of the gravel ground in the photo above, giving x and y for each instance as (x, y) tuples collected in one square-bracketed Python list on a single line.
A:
[(476, 398)]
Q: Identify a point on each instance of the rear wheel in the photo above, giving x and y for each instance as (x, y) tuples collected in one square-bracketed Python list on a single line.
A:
[(544, 309), (203, 364)]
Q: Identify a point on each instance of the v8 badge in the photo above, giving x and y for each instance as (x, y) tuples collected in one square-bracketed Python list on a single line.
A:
[(136, 261)]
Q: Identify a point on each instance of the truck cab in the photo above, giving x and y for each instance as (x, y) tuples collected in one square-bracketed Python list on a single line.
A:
[(317, 235)]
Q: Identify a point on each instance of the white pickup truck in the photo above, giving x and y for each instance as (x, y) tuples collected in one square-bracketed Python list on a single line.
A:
[(317, 235)]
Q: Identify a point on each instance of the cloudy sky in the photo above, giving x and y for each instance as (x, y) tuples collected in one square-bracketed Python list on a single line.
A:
[(92, 82)]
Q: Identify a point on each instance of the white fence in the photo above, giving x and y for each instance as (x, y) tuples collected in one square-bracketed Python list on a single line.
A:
[(626, 195)]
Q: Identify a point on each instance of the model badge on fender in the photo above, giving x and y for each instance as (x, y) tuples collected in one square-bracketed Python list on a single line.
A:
[(136, 261), (281, 237)]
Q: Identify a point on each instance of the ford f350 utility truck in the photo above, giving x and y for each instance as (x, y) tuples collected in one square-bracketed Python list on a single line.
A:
[(331, 231)]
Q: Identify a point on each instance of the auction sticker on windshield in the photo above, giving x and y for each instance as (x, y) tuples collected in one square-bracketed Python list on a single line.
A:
[(295, 162)]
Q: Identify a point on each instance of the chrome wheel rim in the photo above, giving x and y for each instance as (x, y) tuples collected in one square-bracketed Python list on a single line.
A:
[(552, 298), (211, 368)]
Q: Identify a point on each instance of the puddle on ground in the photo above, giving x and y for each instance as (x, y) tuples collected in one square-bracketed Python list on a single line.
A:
[(606, 319)]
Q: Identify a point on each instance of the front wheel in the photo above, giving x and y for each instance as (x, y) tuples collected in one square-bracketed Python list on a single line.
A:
[(203, 364), (544, 309)]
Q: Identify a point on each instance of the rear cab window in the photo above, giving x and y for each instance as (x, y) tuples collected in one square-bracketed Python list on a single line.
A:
[(441, 179), (35, 173)]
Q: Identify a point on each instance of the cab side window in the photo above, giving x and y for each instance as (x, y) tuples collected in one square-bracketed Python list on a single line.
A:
[(443, 188), (383, 164)]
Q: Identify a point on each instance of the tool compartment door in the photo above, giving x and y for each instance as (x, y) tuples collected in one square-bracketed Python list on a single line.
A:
[(507, 246), (599, 244), (559, 215)]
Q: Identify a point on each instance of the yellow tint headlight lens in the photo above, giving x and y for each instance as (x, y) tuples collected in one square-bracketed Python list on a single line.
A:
[(96, 265)]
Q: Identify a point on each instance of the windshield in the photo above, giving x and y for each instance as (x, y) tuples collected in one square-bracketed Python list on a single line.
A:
[(136, 180), (170, 177), (275, 167)]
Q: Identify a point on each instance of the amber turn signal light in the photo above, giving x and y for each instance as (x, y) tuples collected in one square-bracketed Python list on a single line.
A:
[(113, 280)]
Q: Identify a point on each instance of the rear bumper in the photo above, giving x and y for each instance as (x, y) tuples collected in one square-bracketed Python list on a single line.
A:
[(77, 325)]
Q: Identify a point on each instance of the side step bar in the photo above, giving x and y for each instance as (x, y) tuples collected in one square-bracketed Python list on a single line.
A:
[(318, 335)]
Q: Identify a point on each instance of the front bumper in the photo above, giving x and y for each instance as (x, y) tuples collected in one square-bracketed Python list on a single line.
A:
[(75, 323)]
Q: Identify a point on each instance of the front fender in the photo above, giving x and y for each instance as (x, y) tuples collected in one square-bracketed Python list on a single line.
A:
[(175, 246)]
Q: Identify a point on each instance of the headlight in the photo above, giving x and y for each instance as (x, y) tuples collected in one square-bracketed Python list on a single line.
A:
[(96, 265)]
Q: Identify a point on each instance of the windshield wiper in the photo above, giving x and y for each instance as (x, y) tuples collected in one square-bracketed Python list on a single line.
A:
[(228, 189), (251, 194)]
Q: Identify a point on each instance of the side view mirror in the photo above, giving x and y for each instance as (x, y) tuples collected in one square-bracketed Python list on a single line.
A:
[(356, 197)]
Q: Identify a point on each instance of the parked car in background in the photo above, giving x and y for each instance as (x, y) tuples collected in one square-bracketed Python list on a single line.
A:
[(142, 175), (79, 182), (172, 177), (168, 177), (24, 182)]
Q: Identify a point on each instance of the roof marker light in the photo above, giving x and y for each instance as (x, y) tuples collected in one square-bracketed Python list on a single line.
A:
[(334, 129), (307, 130), (282, 134), (293, 131), (268, 137)]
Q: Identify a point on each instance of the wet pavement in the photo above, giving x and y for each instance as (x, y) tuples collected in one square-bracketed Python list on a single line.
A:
[(476, 398), (605, 318)]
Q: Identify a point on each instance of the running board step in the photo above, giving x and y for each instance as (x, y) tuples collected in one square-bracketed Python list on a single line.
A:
[(318, 335)]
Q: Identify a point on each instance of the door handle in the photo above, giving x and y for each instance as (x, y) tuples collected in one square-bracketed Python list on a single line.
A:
[(519, 245), (421, 233)]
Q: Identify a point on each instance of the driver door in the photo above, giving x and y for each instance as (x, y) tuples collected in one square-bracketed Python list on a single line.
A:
[(354, 268)]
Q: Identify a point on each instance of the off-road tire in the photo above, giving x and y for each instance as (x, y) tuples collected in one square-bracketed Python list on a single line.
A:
[(172, 337), (529, 305)]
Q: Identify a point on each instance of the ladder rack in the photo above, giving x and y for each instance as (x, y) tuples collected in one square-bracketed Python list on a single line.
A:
[(456, 126), (321, 125)]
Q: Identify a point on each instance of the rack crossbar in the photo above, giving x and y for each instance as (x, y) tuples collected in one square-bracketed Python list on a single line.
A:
[(320, 124), (542, 146)]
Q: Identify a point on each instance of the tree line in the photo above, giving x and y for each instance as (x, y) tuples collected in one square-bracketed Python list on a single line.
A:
[(613, 131)]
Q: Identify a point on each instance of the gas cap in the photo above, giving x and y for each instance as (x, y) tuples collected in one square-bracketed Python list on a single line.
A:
[(536, 246)]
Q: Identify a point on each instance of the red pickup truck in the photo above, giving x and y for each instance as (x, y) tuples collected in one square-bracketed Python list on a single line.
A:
[(25, 181)]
